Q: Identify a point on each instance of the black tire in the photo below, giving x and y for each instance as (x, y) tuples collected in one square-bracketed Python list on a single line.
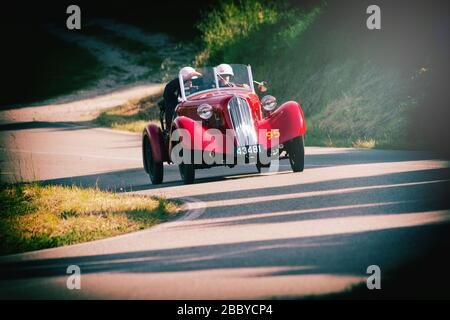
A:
[(155, 169), (259, 166), (187, 171), (296, 151)]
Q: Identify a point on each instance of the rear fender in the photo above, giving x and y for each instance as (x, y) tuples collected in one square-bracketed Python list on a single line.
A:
[(154, 134)]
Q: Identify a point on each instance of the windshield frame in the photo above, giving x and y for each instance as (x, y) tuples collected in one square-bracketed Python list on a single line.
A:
[(216, 80)]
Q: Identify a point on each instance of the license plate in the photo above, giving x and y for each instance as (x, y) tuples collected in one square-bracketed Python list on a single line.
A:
[(248, 150)]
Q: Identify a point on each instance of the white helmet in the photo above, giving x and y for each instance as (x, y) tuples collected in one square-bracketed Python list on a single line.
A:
[(188, 72), (225, 70)]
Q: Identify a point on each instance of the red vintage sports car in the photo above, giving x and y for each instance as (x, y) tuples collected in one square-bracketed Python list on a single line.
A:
[(223, 122)]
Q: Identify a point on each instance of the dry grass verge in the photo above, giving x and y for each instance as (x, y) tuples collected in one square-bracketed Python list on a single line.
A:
[(37, 217), (132, 116)]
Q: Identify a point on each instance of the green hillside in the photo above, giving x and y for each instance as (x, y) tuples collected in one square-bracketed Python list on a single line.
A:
[(357, 86)]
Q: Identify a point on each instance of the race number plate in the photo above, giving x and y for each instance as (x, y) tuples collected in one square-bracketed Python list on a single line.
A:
[(248, 150)]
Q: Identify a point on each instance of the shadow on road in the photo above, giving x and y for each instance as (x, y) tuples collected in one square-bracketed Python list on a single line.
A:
[(336, 254), (137, 180), (411, 191), (393, 248)]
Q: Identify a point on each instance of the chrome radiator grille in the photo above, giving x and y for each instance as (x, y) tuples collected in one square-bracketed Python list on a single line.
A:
[(242, 121)]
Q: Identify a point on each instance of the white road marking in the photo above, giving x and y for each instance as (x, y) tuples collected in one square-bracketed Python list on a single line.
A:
[(195, 208)]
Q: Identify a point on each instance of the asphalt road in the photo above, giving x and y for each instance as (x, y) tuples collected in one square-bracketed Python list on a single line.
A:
[(245, 235)]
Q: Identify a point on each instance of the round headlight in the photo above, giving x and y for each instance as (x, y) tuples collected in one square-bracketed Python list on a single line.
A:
[(205, 111), (269, 103)]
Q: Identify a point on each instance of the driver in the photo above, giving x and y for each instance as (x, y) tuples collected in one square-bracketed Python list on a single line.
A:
[(172, 92), (224, 73)]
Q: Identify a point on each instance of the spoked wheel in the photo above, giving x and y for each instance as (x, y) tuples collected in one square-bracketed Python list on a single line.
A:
[(259, 166), (296, 152), (187, 170), (155, 169)]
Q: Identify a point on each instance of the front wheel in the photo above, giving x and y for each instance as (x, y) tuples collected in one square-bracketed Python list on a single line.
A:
[(259, 166), (187, 170), (155, 169), (296, 151)]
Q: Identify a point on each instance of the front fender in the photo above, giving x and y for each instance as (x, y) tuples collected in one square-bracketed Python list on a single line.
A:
[(154, 134), (288, 119)]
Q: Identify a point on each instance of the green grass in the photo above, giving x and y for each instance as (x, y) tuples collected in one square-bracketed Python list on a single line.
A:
[(357, 88), (222, 27), (352, 92), (37, 217), (132, 116)]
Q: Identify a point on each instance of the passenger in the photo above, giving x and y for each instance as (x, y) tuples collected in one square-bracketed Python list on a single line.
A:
[(172, 92)]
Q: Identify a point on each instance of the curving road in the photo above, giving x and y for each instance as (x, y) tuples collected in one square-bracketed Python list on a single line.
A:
[(244, 235)]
